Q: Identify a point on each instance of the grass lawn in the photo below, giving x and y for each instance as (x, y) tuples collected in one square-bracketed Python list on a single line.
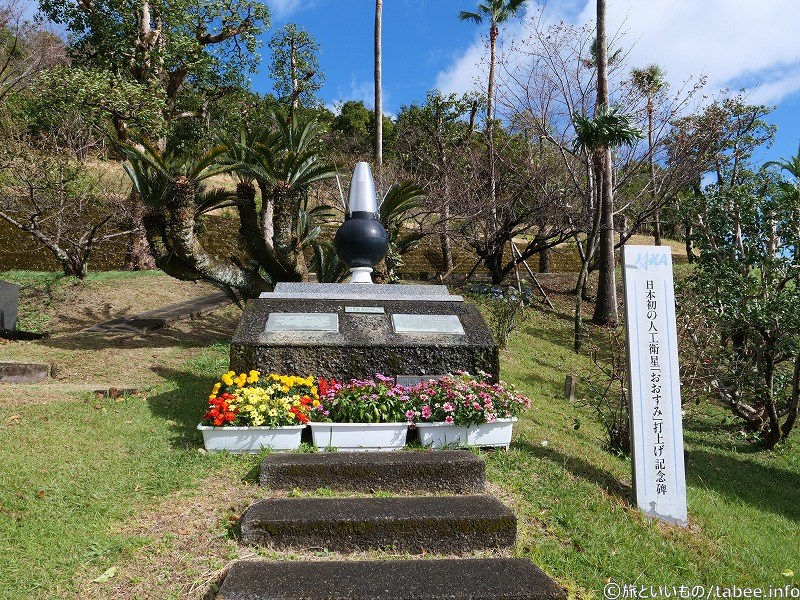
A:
[(114, 498)]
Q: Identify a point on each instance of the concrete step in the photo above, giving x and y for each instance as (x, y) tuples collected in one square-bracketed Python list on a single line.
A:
[(443, 524), (450, 579), (453, 471), (13, 372)]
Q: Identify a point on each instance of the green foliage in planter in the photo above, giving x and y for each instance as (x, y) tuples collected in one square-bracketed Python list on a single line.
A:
[(375, 400)]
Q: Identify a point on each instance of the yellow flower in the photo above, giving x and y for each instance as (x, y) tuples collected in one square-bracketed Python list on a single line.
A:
[(273, 413), (227, 379), (212, 396), (315, 403)]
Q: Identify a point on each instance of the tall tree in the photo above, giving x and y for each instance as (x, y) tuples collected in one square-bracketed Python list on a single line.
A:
[(295, 68), (597, 136), (433, 140), (378, 85), (169, 47), (650, 81), (605, 308), (496, 12)]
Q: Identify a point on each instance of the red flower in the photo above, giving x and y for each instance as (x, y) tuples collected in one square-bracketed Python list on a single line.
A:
[(219, 412), (326, 385)]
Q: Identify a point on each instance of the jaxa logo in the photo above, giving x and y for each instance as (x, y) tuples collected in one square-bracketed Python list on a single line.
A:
[(647, 259)]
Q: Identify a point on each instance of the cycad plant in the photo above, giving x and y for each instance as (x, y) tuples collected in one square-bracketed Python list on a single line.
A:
[(283, 161), (397, 206), (170, 186)]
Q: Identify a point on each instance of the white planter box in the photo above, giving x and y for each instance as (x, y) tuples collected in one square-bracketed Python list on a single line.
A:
[(486, 435), (359, 436), (239, 440)]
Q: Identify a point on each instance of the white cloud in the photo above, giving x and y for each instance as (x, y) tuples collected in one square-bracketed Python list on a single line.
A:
[(736, 43), (360, 90), (281, 9)]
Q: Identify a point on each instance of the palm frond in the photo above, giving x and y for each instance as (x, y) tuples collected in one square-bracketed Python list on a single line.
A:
[(466, 15), (214, 199)]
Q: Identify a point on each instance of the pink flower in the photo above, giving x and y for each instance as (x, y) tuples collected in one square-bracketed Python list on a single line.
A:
[(426, 412), (409, 415), (448, 419), (449, 407)]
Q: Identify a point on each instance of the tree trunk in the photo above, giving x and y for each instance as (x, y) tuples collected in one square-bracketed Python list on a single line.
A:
[(493, 33), (378, 86), (583, 276), (252, 234), (285, 244), (444, 237), (652, 168), (794, 401), (605, 309), (137, 256), (545, 261), (774, 433)]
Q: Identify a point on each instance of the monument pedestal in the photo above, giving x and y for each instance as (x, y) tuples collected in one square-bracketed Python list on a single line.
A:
[(353, 331)]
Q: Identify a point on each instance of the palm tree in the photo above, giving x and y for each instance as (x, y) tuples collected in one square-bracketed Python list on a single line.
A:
[(606, 130), (605, 308), (378, 86), (496, 12), (650, 81)]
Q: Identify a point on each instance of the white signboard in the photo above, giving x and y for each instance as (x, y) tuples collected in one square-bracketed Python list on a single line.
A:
[(302, 322), (659, 476), (427, 324)]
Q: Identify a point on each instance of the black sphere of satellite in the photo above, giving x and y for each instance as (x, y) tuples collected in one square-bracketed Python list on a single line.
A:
[(361, 241)]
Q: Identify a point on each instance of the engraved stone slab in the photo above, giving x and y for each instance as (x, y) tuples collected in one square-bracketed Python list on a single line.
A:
[(410, 380), (9, 305), (302, 322), (365, 310), (449, 324)]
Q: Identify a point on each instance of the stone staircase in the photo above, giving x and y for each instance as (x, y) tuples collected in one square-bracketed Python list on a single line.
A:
[(460, 521)]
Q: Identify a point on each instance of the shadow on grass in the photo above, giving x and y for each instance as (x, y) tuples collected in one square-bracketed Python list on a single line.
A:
[(763, 487), (548, 334), (581, 469), (532, 379), (183, 406), (202, 332)]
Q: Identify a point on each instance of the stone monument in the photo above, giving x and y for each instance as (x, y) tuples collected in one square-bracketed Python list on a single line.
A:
[(358, 329), (9, 305)]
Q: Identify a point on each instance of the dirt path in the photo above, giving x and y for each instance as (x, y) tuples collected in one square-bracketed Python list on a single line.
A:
[(87, 362)]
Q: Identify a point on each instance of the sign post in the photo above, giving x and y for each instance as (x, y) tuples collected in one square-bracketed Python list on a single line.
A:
[(659, 477)]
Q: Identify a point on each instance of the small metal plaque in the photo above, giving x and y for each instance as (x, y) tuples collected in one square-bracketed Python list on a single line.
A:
[(302, 322), (365, 310), (449, 324), (409, 380)]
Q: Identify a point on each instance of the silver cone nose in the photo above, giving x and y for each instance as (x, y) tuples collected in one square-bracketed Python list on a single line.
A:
[(362, 196)]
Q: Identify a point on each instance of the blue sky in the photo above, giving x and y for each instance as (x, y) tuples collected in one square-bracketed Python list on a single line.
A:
[(736, 43)]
